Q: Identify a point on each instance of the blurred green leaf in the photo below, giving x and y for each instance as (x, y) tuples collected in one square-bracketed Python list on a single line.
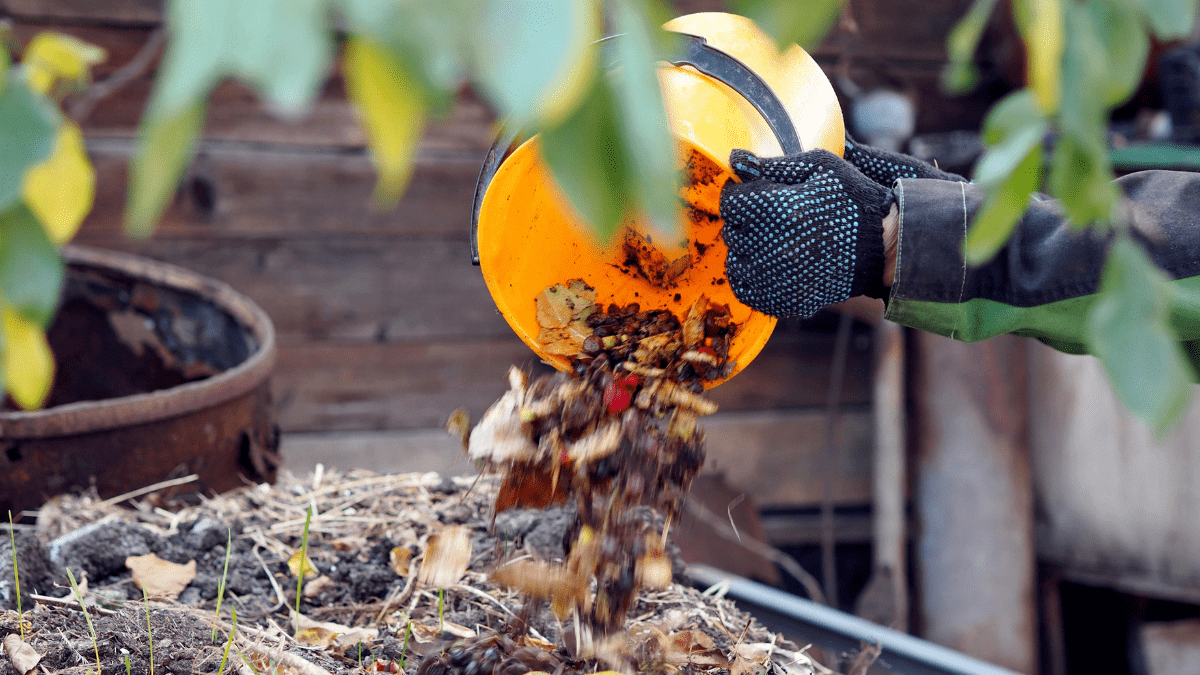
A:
[(280, 47), (1128, 330), (535, 58), (1010, 114), (1081, 178), (643, 120), (961, 75), (31, 270), (802, 23), (389, 103), (1003, 207), (587, 156), (1002, 159), (164, 147), (28, 127), (1120, 34), (1170, 19)]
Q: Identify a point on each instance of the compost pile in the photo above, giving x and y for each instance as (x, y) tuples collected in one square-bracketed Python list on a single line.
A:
[(397, 579)]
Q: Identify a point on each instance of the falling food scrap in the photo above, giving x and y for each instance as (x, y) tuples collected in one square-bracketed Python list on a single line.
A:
[(616, 434)]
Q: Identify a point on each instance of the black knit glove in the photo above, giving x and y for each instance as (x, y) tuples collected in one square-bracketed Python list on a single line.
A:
[(803, 232), (884, 166)]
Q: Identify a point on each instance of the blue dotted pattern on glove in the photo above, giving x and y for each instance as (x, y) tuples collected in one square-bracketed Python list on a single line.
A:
[(800, 231), (885, 167)]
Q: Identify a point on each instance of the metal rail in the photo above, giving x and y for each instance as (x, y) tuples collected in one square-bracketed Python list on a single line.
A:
[(800, 618)]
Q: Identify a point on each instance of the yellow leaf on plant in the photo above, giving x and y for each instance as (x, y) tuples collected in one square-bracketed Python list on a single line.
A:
[(28, 363), (59, 191), (1044, 41), (54, 56), (391, 108), (160, 578)]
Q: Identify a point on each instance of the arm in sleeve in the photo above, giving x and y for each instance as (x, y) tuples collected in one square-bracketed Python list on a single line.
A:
[(1043, 282)]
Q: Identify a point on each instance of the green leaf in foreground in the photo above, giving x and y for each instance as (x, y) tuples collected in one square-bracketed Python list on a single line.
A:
[(281, 47), (587, 157), (961, 75), (643, 121), (1170, 18), (536, 58), (1002, 209), (31, 270), (164, 148), (1128, 330), (391, 107), (28, 128), (802, 23)]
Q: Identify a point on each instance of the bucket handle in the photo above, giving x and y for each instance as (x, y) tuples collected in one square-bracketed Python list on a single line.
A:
[(698, 54)]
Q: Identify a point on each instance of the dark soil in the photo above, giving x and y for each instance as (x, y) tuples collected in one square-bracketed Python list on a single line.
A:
[(360, 519)]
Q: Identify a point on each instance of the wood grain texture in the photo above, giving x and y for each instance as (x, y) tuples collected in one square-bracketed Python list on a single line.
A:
[(1114, 503)]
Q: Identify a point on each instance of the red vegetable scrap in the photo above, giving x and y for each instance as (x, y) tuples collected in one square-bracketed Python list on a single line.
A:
[(617, 433)]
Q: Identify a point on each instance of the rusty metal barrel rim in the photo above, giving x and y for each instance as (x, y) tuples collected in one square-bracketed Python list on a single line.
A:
[(91, 416)]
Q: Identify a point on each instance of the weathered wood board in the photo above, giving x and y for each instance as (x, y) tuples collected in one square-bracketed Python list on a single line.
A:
[(1115, 506)]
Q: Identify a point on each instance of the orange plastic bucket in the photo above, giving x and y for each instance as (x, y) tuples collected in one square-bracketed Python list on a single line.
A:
[(528, 237)]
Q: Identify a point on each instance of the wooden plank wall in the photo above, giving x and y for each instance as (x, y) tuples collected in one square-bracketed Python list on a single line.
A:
[(384, 326)]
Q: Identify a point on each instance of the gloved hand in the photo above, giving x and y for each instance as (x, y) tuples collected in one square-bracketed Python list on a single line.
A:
[(884, 166), (803, 232)]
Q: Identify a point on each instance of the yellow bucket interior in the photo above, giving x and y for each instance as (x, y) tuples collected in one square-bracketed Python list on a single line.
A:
[(530, 238)]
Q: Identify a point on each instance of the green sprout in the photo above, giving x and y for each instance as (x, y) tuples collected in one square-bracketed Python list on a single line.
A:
[(224, 576), (12, 537), (303, 563), (149, 635), (228, 644), (87, 617)]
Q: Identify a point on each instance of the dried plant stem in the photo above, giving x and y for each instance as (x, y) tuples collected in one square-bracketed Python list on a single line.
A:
[(87, 617)]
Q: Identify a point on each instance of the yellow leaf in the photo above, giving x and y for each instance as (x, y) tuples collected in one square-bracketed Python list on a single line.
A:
[(392, 110), (447, 555), (54, 56), (1044, 41), (296, 563), (59, 191), (28, 363)]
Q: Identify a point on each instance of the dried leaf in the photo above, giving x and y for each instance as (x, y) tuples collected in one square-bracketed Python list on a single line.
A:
[(23, 657), (565, 341), (531, 488), (400, 557), (349, 543), (447, 556), (654, 570), (459, 425), (160, 578), (693, 325), (333, 636), (558, 305), (457, 630), (295, 565), (315, 587), (600, 443), (500, 436)]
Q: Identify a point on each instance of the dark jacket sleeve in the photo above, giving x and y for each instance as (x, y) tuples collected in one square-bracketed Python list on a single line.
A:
[(1043, 282)]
